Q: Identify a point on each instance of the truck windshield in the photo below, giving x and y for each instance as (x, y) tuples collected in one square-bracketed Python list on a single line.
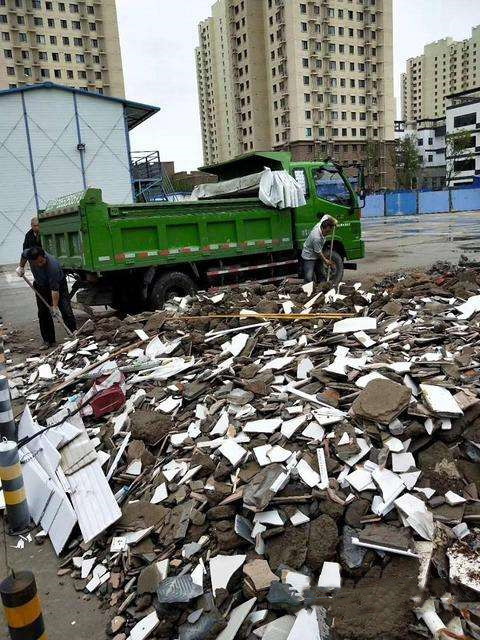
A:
[(330, 186)]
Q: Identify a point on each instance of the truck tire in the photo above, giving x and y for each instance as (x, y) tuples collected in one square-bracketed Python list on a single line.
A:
[(168, 285), (336, 274)]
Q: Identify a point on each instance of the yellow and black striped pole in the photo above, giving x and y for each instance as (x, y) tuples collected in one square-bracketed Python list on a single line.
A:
[(7, 422), (13, 489), (21, 604)]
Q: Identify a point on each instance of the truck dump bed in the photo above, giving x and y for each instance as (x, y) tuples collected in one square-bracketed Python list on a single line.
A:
[(85, 233)]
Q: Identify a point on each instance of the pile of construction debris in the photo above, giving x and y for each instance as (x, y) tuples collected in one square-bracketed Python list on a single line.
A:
[(271, 476)]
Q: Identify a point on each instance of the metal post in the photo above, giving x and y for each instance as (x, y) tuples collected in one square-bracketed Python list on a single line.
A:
[(7, 422), (13, 489), (21, 604)]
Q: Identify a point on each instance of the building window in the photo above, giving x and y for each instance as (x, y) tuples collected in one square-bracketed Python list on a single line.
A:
[(306, 80), (82, 74), (80, 58), (76, 25), (45, 73), (308, 132), (78, 42), (465, 120), (92, 26), (464, 165), (8, 53), (42, 55), (63, 24), (3, 19), (36, 4), (68, 57), (20, 19), (57, 73), (55, 57), (40, 39), (303, 8), (303, 26), (27, 71), (25, 55), (49, 6), (61, 6), (38, 22), (69, 74), (53, 39), (22, 37), (308, 115), (98, 75), (305, 62), (94, 42), (51, 23), (73, 8), (90, 9)]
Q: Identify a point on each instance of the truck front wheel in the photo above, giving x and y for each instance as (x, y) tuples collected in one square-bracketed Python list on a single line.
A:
[(336, 273), (169, 285)]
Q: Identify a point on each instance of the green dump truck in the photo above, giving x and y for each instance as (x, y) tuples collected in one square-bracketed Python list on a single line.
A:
[(139, 255)]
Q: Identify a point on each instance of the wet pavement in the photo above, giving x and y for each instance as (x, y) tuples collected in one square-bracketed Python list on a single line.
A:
[(403, 242)]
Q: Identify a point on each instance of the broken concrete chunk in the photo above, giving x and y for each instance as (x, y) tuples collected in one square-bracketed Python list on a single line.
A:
[(382, 401)]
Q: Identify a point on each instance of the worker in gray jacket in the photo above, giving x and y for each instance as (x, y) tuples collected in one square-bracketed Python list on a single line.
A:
[(313, 247)]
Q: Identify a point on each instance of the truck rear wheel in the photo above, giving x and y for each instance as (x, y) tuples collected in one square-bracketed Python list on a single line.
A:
[(169, 285)]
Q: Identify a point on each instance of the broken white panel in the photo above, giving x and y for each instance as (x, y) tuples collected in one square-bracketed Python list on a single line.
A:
[(389, 484), (461, 530), (360, 480), (402, 462), (169, 404), (453, 498), (299, 581), (134, 468), (232, 451), (440, 401), (145, 627), (353, 325), (362, 381), (303, 368), (261, 454), (468, 308), (268, 425), (45, 372), (322, 467), (289, 427), (221, 425), (277, 363), (314, 431), (277, 629), (47, 502), (308, 288), (278, 454), (395, 445), (308, 305), (235, 620), (160, 494), (236, 345), (345, 439), (305, 626), (422, 523), (410, 505), (410, 479), (269, 517), (222, 569), (177, 439), (299, 518), (330, 577), (364, 339), (307, 474), (93, 500), (364, 449)]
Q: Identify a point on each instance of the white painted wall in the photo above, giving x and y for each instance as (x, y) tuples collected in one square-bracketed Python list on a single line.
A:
[(56, 159), (465, 177)]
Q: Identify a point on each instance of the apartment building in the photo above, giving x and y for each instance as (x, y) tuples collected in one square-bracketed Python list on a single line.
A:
[(313, 77), (445, 67), (71, 43)]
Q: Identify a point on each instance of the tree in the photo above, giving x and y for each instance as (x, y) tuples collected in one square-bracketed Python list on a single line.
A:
[(458, 146), (371, 164), (408, 163)]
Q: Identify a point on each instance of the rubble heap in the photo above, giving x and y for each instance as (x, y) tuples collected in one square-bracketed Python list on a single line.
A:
[(275, 478)]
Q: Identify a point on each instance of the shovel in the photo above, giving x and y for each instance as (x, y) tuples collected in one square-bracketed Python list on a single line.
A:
[(69, 333)]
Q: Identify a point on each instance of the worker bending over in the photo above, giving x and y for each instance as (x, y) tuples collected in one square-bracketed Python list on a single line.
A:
[(313, 247), (51, 284)]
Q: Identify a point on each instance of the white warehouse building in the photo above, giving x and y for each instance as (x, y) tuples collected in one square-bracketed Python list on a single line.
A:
[(55, 141)]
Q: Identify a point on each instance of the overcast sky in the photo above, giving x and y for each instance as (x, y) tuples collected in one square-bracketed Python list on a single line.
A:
[(158, 38)]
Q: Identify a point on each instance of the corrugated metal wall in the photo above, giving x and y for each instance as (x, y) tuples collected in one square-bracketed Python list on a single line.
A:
[(54, 131)]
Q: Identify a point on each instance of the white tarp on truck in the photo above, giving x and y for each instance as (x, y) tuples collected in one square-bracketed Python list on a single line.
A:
[(276, 189)]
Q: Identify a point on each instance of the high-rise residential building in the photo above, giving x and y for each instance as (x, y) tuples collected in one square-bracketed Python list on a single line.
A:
[(70, 43), (445, 67), (313, 77)]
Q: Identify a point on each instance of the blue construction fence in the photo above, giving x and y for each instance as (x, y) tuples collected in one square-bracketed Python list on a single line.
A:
[(407, 203)]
